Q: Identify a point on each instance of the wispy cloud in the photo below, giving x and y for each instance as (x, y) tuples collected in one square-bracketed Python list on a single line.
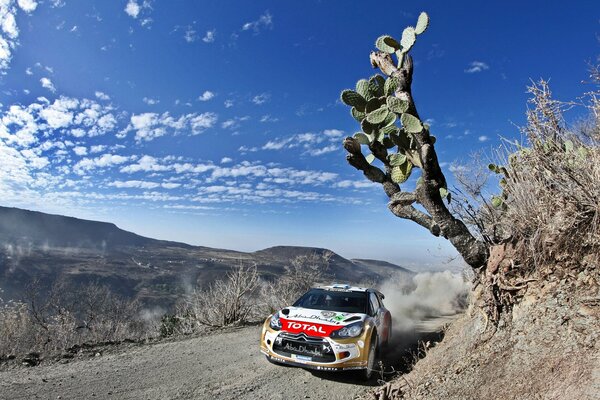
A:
[(150, 101), (261, 98), (149, 126), (209, 37), (476, 66), (265, 21)]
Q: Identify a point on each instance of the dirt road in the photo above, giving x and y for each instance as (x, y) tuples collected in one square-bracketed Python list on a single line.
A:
[(226, 365)]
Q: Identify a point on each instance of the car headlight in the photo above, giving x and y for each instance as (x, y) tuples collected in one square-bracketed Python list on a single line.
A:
[(275, 322), (349, 331)]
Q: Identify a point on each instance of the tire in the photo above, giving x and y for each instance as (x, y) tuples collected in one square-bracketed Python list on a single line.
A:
[(367, 373)]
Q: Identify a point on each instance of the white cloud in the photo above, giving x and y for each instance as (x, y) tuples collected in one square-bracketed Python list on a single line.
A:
[(476, 66), (148, 126), (228, 103), (101, 96), (261, 98), (483, 138), (28, 71), (80, 150), (104, 161), (27, 5), (324, 150), (333, 133), (210, 36), (144, 184), (226, 160), (47, 84), (264, 21), (150, 101), (206, 96), (132, 8)]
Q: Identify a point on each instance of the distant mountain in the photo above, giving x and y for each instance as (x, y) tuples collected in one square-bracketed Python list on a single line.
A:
[(39, 229), (51, 248)]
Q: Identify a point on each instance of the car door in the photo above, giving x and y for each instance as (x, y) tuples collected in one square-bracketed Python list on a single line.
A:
[(381, 317)]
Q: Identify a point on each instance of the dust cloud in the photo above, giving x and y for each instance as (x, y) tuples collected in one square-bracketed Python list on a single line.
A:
[(428, 296)]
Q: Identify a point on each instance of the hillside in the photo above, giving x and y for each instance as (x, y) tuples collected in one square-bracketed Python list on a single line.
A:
[(53, 248)]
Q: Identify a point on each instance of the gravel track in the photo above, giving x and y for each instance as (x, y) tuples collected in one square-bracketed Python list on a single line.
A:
[(227, 365)]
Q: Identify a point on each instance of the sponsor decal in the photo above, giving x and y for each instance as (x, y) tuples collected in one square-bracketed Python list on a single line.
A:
[(339, 318), (328, 314), (309, 328)]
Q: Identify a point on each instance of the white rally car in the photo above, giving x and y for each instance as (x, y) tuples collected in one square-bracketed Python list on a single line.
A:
[(330, 328)]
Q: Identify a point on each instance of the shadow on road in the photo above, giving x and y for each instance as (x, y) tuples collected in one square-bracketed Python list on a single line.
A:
[(398, 357)]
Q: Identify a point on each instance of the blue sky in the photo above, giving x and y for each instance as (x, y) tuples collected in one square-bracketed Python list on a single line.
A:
[(219, 124)]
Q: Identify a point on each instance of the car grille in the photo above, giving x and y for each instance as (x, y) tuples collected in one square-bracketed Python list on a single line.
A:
[(318, 349)]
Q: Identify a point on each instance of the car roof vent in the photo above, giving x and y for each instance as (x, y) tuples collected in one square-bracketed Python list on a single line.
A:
[(340, 286)]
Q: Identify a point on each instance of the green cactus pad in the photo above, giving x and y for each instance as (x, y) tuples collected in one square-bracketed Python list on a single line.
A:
[(362, 88), (422, 23), (361, 138), (497, 201), (408, 39), (391, 84), (397, 159), (400, 56), (389, 120), (401, 173), (370, 158), (352, 98), (411, 123), (378, 116), (402, 140), (396, 105), (390, 130), (387, 44), (358, 115)]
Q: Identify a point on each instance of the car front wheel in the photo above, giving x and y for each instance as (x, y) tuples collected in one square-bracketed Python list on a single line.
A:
[(367, 373)]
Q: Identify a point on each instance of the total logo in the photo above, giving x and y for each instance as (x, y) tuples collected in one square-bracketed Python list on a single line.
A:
[(305, 327)]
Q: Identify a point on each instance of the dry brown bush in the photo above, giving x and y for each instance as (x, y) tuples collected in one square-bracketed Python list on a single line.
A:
[(224, 302), (303, 273)]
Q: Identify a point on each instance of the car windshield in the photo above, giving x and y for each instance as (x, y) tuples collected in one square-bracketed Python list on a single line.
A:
[(321, 299)]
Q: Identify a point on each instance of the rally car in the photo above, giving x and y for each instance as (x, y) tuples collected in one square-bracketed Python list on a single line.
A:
[(330, 328)]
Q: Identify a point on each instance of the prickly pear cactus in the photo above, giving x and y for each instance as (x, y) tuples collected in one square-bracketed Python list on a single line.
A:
[(374, 105)]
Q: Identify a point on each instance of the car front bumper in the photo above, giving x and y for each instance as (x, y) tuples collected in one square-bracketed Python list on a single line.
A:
[(319, 353)]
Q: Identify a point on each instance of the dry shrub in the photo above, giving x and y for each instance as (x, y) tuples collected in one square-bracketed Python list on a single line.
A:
[(224, 302), (62, 319), (303, 273), (551, 189)]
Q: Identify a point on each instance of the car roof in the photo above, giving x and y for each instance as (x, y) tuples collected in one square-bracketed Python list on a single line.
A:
[(342, 287)]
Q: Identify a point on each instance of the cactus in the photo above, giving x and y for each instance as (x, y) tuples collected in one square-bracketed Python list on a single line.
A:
[(361, 138), (352, 98), (411, 123), (397, 159), (372, 105), (370, 158), (422, 23), (358, 115), (387, 44), (389, 120), (391, 84), (396, 105), (401, 173), (378, 116), (362, 88), (408, 39)]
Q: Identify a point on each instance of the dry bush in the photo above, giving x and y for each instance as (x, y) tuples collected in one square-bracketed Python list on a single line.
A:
[(62, 319), (303, 273), (224, 302), (551, 189)]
